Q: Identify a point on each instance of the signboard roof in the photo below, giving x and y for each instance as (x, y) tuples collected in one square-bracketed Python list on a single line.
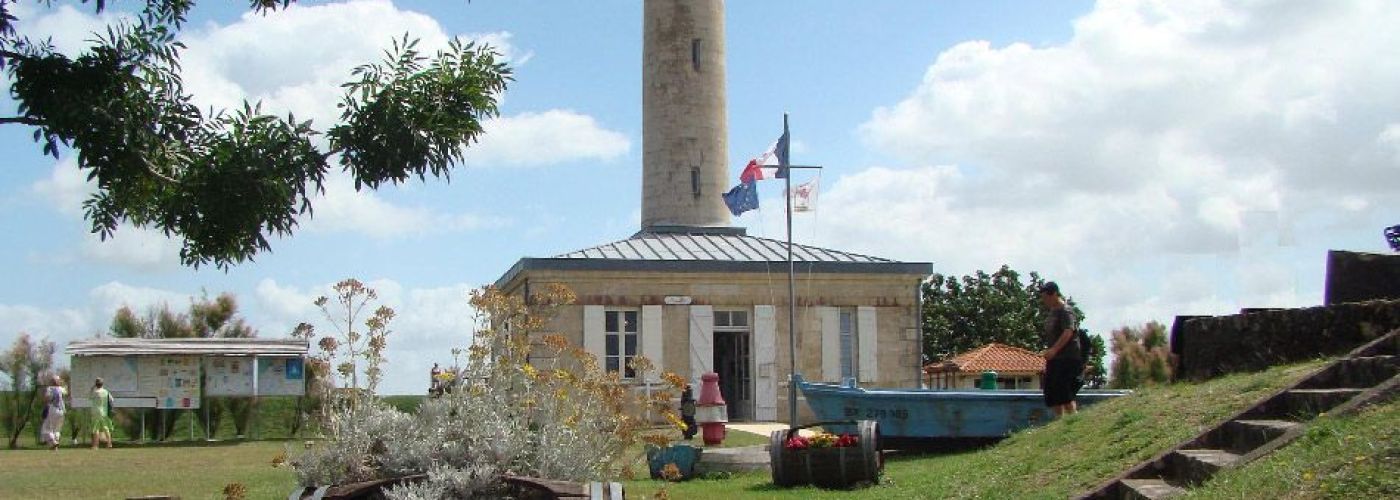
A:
[(227, 347)]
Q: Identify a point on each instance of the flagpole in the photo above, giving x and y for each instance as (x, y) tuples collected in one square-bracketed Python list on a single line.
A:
[(792, 291)]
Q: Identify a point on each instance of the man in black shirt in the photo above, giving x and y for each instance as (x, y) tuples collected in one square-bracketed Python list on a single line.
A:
[(1064, 360)]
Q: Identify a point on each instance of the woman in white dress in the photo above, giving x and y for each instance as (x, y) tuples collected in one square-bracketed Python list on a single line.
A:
[(54, 408)]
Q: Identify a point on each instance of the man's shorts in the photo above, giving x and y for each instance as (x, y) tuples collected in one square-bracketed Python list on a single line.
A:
[(1062, 381)]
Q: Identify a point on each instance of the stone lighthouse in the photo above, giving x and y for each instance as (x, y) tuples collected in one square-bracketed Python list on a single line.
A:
[(684, 148), (695, 295)]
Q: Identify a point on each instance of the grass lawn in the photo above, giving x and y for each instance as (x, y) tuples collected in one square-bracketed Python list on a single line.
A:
[(190, 470), (1353, 457)]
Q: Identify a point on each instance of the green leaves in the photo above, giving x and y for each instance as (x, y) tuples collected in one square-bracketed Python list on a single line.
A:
[(412, 116), (223, 183)]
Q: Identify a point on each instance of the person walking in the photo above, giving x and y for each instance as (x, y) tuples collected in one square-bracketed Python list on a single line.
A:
[(101, 414), (1064, 358), (54, 408), (688, 413)]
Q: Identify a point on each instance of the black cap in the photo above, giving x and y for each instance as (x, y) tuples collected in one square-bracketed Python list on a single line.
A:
[(1050, 288)]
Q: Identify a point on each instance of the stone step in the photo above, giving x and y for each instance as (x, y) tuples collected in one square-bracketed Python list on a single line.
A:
[(1301, 404), (1147, 489), (1364, 371), (1193, 467), (1243, 436)]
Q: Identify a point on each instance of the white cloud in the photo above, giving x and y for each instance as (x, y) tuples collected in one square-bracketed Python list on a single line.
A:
[(429, 322), (551, 137), (343, 209), (66, 188), (1163, 147)]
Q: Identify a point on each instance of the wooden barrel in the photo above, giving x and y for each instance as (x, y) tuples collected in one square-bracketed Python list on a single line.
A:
[(834, 467)]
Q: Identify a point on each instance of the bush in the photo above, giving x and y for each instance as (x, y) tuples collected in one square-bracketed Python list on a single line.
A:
[(1141, 356), (565, 419)]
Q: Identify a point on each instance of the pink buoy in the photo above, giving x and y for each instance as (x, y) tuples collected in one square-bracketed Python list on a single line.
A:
[(710, 411)]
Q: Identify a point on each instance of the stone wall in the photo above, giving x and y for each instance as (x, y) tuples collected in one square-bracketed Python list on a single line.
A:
[(1356, 277), (1211, 346)]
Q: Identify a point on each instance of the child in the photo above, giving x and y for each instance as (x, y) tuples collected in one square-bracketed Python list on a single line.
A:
[(688, 413)]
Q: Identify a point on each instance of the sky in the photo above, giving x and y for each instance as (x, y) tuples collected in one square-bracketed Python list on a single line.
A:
[(1155, 158)]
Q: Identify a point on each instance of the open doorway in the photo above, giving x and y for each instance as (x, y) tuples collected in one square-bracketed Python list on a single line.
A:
[(733, 360)]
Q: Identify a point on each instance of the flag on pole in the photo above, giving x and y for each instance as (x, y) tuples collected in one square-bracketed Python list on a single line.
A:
[(804, 197), (771, 164), (742, 198)]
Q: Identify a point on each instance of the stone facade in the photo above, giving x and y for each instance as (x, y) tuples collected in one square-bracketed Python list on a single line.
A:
[(684, 130), (1212, 346), (1356, 277), (885, 303)]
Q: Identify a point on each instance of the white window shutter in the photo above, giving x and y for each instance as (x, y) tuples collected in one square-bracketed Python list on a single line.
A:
[(653, 341), (702, 342), (831, 343), (593, 332), (765, 349), (868, 347)]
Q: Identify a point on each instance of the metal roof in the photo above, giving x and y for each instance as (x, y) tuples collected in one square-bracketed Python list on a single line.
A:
[(714, 249), (230, 347)]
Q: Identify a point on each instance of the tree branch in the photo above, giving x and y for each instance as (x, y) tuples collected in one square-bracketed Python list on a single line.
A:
[(21, 119), (152, 169)]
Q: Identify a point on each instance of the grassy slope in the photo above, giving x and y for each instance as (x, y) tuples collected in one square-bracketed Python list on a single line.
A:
[(1356, 456), (1055, 461)]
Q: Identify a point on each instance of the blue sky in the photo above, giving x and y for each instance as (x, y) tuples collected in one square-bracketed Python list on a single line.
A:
[(1156, 158)]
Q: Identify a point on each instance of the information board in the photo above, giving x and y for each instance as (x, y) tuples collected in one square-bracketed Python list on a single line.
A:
[(172, 380), (281, 377), (228, 376), (118, 373)]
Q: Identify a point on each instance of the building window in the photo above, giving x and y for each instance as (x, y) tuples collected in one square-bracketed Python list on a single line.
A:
[(620, 341), (848, 345), (731, 321), (695, 54), (695, 181)]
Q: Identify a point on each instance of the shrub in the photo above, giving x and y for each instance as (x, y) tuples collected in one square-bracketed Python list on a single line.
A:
[(1141, 356), (560, 417)]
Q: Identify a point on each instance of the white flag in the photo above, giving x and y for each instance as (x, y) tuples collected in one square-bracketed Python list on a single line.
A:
[(804, 197)]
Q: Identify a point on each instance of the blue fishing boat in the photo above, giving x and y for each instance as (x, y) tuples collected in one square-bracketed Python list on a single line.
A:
[(930, 413)]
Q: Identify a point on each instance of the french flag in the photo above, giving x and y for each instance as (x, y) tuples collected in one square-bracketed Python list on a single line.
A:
[(772, 164)]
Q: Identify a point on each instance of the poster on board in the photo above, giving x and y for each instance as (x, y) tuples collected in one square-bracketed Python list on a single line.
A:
[(228, 376), (172, 380), (118, 373), (281, 377)]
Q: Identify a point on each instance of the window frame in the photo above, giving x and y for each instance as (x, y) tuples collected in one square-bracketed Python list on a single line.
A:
[(615, 341)]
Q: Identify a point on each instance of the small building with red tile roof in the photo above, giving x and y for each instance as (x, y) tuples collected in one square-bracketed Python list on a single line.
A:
[(1016, 368)]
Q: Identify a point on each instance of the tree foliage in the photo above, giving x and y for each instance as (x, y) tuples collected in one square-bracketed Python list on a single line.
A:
[(223, 182), (24, 365), (963, 313), (1141, 356)]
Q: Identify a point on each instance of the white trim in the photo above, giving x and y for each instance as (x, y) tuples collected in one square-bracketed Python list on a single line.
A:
[(653, 341), (831, 343), (765, 365), (593, 332), (867, 346), (702, 342)]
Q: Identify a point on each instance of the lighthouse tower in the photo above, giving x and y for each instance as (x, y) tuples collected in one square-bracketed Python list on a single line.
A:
[(684, 148)]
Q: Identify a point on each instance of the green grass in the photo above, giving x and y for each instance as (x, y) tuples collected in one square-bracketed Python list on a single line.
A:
[(1356, 456), (1063, 458), (190, 470), (1352, 457)]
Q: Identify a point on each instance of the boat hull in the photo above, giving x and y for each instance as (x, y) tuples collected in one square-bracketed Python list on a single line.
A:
[(923, 413)]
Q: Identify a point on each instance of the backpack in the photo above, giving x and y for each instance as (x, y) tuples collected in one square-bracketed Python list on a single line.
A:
[(1086, 346)]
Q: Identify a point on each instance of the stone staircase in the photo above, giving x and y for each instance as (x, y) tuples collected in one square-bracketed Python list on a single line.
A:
[(1369, 374)]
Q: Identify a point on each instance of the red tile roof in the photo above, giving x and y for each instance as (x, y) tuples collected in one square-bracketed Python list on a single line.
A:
[(1001, 358)]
